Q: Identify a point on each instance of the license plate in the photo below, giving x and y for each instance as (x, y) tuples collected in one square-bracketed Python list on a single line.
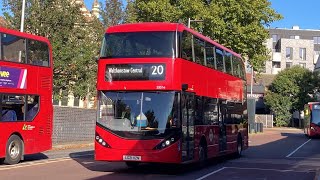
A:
[(131, 158)]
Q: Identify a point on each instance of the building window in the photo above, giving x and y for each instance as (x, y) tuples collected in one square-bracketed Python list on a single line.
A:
[(288, 64), (276, 64), (302, 53), (302, 65), (292, 37), (76, 102), (289, 52), (316, 40), (275, 37)]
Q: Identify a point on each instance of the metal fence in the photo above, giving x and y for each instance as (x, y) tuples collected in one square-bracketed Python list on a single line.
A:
[(73, 125), (265, 119)]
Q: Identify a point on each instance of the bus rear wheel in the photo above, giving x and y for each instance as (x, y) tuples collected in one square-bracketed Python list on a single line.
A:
[(13, 150)]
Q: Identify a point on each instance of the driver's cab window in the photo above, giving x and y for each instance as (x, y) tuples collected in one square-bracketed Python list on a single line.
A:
[(11, 108), (18, 107)]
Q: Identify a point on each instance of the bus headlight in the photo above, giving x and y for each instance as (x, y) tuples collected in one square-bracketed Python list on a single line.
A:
[(102, 141), (167, 142), (312, 128)]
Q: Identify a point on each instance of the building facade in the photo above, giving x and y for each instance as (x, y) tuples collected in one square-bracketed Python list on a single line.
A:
[(289, 47)]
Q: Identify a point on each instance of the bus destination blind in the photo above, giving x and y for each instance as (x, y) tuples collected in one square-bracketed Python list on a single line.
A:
[(134, 72)]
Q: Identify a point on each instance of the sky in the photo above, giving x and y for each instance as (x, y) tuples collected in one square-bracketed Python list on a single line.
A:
[(302, 13)]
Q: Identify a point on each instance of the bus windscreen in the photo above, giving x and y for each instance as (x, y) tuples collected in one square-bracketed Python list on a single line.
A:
[(316, 114), (139, 113)]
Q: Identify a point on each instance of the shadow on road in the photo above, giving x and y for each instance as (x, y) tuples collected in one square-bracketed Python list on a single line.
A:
[(266, 158), (119, 170), (30, 158)]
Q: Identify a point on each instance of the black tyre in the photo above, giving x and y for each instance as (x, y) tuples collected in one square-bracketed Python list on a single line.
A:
[(14, 150), (239, 147), (203, 155), (132, 164)]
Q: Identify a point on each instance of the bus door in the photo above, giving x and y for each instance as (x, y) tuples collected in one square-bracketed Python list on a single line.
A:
[(187, 110), (222, 127)]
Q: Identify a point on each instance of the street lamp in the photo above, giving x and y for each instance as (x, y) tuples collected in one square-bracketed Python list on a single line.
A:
[(251, 83), (190, 20), (22, 15)]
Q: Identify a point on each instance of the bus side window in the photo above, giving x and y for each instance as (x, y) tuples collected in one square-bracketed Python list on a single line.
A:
[(32, 107), (199, 50), (13, 48), (210, 59), (219, 60), (11, 108), (199, 111), (37, 53), (228, 58), (187, 46), (210, 107)]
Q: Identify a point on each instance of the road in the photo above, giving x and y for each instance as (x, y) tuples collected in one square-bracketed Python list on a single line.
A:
[(276, 154)]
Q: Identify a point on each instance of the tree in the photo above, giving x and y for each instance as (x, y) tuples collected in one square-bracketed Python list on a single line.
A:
[(75, 41), (237, 24), (112, 13), (291, 89)]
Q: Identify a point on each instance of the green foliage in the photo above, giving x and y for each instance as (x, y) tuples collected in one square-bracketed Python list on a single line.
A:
[(237, 24), (75, 40), (291, 89), (112, 13)]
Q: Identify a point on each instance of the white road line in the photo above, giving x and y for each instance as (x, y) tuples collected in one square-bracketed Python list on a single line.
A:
[(259, 169), (297, 148), (306, 158), (262, 169), (22, 165), (207, 175), (41, 162)]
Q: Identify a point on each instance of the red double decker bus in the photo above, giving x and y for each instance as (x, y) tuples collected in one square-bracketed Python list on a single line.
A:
[(168, 94), (25, 95), (311, 119)]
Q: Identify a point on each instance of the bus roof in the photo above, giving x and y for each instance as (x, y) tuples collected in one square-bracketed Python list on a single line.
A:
[(24, 35), (163, 26)]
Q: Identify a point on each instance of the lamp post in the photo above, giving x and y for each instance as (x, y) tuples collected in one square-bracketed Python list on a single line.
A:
[(251, 83), (22, 15), (190, 20)]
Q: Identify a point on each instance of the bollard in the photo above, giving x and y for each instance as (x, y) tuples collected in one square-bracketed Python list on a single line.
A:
[(252, 128)]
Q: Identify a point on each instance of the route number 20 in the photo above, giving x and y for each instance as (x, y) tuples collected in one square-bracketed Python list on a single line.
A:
[(157, 70)]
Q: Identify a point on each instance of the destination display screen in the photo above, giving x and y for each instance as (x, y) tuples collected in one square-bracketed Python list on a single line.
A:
[(134, 72)]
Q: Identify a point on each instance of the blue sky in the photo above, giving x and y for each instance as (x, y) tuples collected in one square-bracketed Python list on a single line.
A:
[(303, 13)]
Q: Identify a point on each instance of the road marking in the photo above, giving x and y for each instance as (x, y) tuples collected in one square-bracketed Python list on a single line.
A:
[(41, 162), (207, 175), (298, 148), (305, 158), (34, 163), (262, 169), (259, 169)]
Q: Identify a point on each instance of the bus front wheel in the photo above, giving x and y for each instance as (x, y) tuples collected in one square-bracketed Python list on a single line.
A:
[(132, 164), (13, 150), (239, 147)]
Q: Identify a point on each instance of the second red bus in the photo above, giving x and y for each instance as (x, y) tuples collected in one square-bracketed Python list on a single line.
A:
[(26, 75)]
